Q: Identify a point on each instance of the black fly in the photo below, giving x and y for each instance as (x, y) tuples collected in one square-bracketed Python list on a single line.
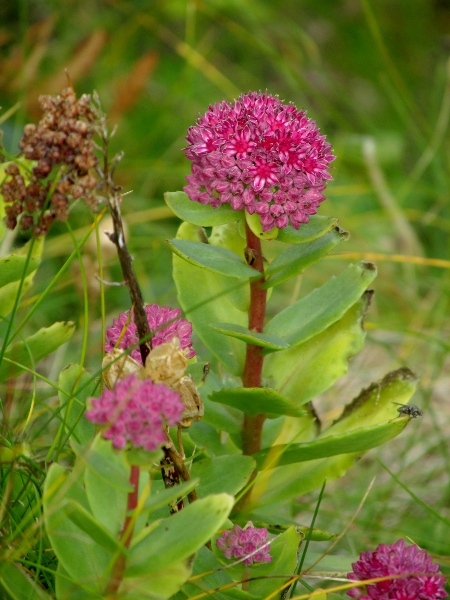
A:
[(409, 410)]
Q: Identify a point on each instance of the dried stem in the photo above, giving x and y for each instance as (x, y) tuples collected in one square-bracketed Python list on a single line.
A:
[(111, 192)]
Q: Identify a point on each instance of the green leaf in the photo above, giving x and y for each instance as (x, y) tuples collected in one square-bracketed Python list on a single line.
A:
[(284, 550), (107, 476), (166, 496), (68, 589), (12, 267), (82, 558), (295, 260), (323, 359), (213, 576), (36, 347), (213, 258), (322, 307), (228, 236), (202, 296), (318, 225), (90, 525), (9, 291), (16, 584), (200, 214), (73, 402), (157, 585), (255, 401), (356, 441), (371, 407), (220, 474), (254, 222), (175, 539), (271, 342)]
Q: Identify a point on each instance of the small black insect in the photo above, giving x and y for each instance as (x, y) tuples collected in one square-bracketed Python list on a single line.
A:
[(410, 410)]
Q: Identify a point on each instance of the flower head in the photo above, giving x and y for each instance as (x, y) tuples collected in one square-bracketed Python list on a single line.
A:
[(238, 543), (157, 317), (62, 146), (260, 155), (136, 411), (398, 559)]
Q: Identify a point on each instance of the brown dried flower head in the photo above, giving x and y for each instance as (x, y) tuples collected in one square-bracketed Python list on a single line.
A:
[(62, 146)]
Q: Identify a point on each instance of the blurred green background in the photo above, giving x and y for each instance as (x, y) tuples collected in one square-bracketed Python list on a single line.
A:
[(375, 77)]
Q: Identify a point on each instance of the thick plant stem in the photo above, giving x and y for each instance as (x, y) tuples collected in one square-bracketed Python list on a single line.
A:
[(127, 532), (253, 424)]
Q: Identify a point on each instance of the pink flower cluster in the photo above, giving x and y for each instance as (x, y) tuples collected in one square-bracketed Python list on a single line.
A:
[(239, 542), (157, 316), (136, 411), (260, 155), (398, 559)]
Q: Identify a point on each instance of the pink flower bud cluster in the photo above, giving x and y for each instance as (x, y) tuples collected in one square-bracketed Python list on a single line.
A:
[(238, 543), (136, 412), (423, 579), (260, 155), (157, 316)]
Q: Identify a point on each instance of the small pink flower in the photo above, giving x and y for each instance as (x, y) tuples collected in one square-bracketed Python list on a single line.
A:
[(238, 543), (398, 559), (248, 153), (136, 411), (157, 316)]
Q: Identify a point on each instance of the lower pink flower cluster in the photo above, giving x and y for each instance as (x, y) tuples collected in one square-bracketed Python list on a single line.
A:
[(249, 542), (137, 412), (422, 579)]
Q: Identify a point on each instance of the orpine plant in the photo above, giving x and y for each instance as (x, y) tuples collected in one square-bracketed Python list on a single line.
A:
[(259, 169)]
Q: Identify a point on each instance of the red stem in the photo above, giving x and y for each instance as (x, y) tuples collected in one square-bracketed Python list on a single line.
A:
[(127, 532), (253, 424)]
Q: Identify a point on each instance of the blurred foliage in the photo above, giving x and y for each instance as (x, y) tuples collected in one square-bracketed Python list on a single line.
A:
[(376, 78)]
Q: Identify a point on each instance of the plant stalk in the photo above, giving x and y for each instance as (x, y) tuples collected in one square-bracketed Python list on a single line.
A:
[(127, 532), (253, 424)]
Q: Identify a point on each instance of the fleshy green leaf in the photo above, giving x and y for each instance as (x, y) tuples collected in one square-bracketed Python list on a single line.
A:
[(322, 307), (271, 342), (9, 291), (12, 267), (202, 296), (295, 260), (254, 222), (373, 406), (36, 347), (228, 236), (284, 550), (157, 585), (166, 496), (16, 584), (85, 521), (107, 476), (175, 539), (356, 441), (317, 226), (214, 258), (220, 474), (200, 214), (82, 558), (78, 387), (254, 401), (309, 369), (213, 576)]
